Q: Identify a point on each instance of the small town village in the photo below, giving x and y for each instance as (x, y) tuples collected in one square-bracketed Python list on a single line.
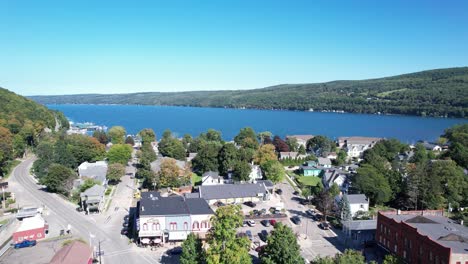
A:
[(146, 198)]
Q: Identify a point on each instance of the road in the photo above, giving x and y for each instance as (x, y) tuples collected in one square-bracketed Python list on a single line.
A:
[(116, 248)]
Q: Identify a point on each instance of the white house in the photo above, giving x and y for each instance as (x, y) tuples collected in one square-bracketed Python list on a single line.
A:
[(357, 202), (255, 173), (324, 162), (96, 171), (335, 176), (212, 178), (355, 146), (301, 139)]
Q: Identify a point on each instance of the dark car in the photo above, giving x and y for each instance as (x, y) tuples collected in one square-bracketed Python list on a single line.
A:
[(266, 223), (25, 243), (124, 231), (79, 209), (279, 191), (263, 235), (310, 212), (126, 218), (296, 220), (125, 224), (318, 217), (175, 251), (263, 211), (249, 234), (256, 212), (296, 193), (250, 204), (219, 204), (304, 202), (325, 225)]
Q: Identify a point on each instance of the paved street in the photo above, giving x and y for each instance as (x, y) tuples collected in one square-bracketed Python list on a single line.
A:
[(116, 248)]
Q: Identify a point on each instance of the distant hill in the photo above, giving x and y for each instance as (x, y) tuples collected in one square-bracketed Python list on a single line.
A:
[(442, 92)]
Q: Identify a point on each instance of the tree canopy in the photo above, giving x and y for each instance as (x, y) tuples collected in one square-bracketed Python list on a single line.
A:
[(119, 153), (282, 247), (117, 134)]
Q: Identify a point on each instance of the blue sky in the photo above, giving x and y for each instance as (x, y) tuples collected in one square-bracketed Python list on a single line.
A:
[(67, 47)]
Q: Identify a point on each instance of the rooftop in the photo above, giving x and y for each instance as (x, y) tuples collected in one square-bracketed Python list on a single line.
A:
[(31, 223), (96, 190), (357, 198), (96, 170), (75, 253), (302, 137), (439, 228), (359, 140), (360, 225), (226, 191), (152, 203), (324, 161)]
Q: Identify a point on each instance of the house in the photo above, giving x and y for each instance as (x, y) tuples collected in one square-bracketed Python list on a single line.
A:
[(291, 155), (76, 252), (255, 173), (330, 155), (355, 146), (96, 171), (156, 165), (212, 178), (268, 184), (191, 156), (422, 237), (93, 198), (31, 228), (431, 146), (166, 219), (311, 169), (359, 232), (357, 202), (301, 139), (335, 176), (324, 162), (234, 193)]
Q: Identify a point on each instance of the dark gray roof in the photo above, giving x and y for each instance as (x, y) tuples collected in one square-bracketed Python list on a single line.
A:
[(357, 198), (96, 190), (226, 191), (268, 183), (97, 170), (212, 174), (198, 206), (360, 225), (151, 203), (440, 229)]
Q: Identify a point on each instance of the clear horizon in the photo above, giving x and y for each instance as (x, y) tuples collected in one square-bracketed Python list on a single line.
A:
[(57, 47)]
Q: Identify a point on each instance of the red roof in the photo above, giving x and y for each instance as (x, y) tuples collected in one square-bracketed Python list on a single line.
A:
[(75, 253)]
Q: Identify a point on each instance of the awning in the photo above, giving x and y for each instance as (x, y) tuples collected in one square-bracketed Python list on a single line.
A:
[(157, 240), (145, 240), (177, 235)]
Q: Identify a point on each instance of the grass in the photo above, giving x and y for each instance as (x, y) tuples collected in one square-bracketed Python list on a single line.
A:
[(383, 94), (9, 168), (309, 181), (3, 222), (196, 180)]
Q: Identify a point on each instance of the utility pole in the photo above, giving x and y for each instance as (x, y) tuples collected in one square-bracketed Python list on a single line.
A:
[(99, 251)]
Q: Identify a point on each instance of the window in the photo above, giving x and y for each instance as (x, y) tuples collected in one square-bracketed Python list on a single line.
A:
[(145, 227), (362, 206), (185, 226), (153, 226), (173, 226), (195, 225), (395, 248), (430, 256), (158, 227), (203, 224)]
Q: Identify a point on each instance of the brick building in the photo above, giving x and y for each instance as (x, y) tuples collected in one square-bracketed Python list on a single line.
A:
[(422, 237)]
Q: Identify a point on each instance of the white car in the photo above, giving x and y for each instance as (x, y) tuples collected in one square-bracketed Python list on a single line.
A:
[(251, 222)]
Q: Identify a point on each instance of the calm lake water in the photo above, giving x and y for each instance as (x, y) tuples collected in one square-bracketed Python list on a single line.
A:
[(193, 120)]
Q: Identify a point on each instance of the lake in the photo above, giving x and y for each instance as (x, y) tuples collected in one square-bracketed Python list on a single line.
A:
[(193, 120)]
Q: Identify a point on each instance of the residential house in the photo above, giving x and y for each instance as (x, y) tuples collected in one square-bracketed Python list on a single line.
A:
[(255, 173), (431, 146), (330, 155), (212, 178), (76, 252), (164, 219), (301, 139), (355, 146), (291, 155), (335, 176), (422, 237), (324, 162), (359, 232), (93, 199), (311, 169), (96, 171), (234, 193), (357, 202)]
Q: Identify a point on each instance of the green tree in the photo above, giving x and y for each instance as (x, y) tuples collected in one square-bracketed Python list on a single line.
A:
[(264, 154), (117, 134), (192, 251), (246, 154), (301, 150), (264, 135), (119, 153), (348, 257), (246, 138), (211, 136), (171, 147), (171, 175), (59, 179), (392, 259), (320, 144), (458, 138), (373, 184), (187, 140), (334, 190), (325, 203), (147, 135), (241, 171), (115, 171), (224, 246), (62, 155), (88, 183), (207, 159), (129, 141), (227, 158), (292, 144), (282, 247), (345, 209), (273, 171), (84, 148), (101, 136)]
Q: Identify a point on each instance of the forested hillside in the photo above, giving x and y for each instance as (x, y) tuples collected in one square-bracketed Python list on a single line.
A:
[(442, 92), (21, 123)]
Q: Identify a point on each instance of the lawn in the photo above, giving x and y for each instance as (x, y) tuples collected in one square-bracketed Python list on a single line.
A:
[(196, 180), (308, 181)]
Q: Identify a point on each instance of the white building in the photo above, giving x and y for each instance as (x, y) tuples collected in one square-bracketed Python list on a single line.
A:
[(212, 178), (357, 202), (355, 146), (255, 173)]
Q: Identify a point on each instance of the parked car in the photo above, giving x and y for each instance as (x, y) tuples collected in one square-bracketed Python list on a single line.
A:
[(318, 217), (296, 220), (250, 204), (219, 204), (310, 212), (251, 223), (126, 218), (324, 225), (256, 212), (124, 231), (304, 202), (279, 191), (25, 243), (266, 223), (244, 223), (263, 211), (125, 224), (249, 234), (273, 222), (277, 212), (263, 235), (175, 251), (79, 209), (296, 193)]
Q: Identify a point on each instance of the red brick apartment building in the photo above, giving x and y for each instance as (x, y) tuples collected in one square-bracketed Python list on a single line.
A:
[(422, 237)]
